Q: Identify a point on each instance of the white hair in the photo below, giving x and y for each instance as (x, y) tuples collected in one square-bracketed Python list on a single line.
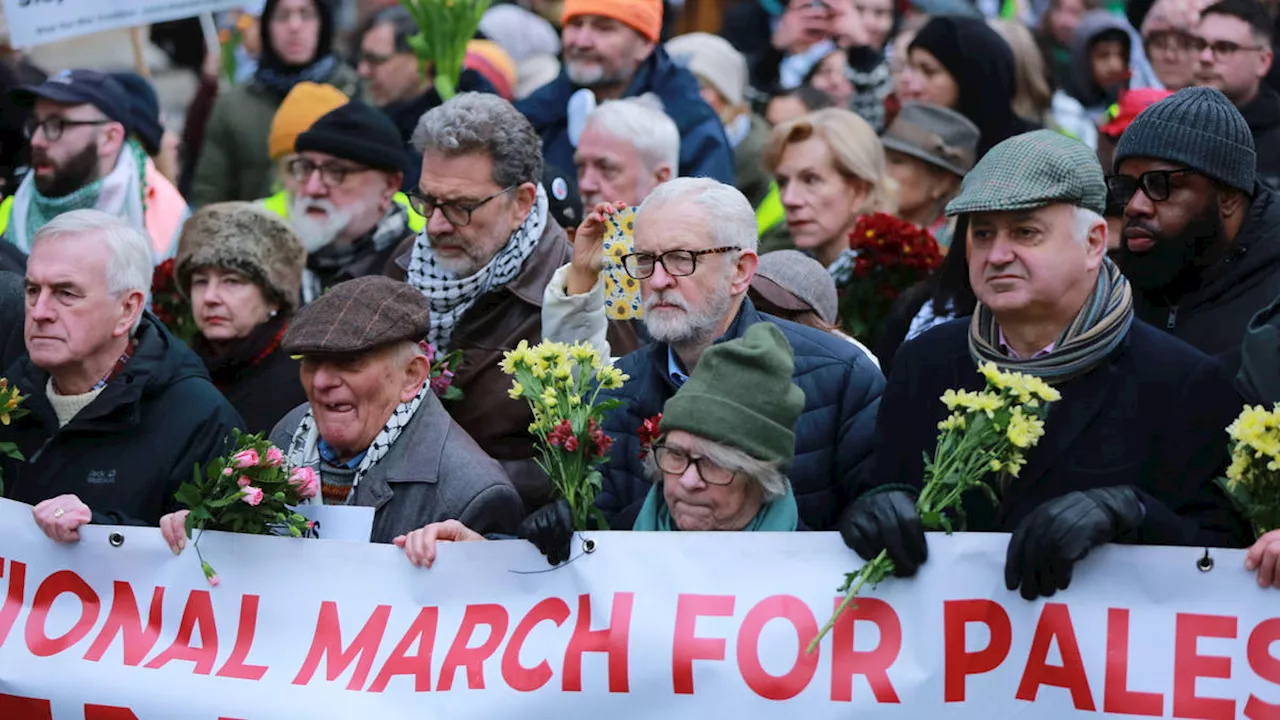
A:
[(768, 475), (641, 122), (130, 265), (1084, 221), (730, 219)]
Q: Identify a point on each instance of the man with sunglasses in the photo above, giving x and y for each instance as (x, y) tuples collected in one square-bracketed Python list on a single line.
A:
[(347, 170), (1199, 241), (82, 157), (1233, 48)]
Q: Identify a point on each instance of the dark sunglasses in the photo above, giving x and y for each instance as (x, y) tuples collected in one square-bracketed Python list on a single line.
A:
[(1155, 184)]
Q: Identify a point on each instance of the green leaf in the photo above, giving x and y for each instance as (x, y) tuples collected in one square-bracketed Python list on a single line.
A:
[(932, 520), (200, 512)]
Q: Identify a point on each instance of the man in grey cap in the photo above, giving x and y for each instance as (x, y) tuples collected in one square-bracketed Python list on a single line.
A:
[(1199, 241), (373, 430), (1131, 451)]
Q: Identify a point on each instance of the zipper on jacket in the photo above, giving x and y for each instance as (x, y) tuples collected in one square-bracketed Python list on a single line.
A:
[(1173, 318)]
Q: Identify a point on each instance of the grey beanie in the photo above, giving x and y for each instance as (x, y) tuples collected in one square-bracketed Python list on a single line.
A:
[(1200, 128)]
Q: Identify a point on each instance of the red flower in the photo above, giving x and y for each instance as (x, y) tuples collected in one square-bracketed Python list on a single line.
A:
[(571, 444), (561, 434), (649, 432), (892, 255), (602, 441)]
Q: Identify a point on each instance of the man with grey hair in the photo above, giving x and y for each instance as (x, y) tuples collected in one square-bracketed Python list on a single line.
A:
[(695, 255), (488, 251), (628, 147), (120, 411)]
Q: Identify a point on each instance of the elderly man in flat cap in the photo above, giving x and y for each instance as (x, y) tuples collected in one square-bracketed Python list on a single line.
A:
[(1130, 452), (372, 428)]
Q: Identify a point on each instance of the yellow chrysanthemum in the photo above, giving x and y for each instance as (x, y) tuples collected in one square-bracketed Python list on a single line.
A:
[(994, 465), (549, 397), (574, 401), (1014, 464), (516, 391), (512, 358), (585, 354), (1024, 430), (954, 421), (611, 378)]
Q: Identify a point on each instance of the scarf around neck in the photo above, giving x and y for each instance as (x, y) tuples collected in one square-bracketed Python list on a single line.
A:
[(451, 296), (325, 266), (1095, 332), (304, 446), (281, 80), (780, 515)]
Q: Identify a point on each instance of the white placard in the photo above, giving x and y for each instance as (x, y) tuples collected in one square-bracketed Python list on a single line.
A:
[(34, 22), (350, 523)]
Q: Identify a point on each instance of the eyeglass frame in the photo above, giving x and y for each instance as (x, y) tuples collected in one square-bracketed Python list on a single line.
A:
[(696, 462), (426, 205), (1149, 40), (658, 260), (32, 125), (324, 168), (1140, 184), (1219, 48)]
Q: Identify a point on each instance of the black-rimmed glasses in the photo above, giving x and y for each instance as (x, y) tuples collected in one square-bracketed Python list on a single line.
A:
[(457, 214), (53, 127), (676, 263), (1221, 48), (1154, 184), (674, 461), (332, 174)]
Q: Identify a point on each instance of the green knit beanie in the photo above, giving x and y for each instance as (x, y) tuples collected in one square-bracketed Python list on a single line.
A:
[(741, 395)]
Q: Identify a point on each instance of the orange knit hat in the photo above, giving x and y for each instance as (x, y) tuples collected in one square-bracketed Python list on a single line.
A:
[(490, 60), (644, 16), (305, 103)]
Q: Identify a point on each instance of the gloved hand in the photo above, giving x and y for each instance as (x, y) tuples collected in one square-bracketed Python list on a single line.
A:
[(886, 521), (1049, 541), (550, 529)]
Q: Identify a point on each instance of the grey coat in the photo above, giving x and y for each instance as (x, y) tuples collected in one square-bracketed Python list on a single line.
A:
[(433, 472)]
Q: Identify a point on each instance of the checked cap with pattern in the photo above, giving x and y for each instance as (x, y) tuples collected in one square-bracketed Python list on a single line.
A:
[(1030, 171)]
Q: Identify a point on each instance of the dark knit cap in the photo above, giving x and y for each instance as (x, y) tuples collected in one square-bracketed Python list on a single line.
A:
[(358, 133), (741, 395), (357, 316), (144, 109), (1197, 127)]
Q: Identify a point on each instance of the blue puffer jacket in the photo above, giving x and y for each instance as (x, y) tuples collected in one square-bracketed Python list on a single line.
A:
[(704, 148), (833, 435)]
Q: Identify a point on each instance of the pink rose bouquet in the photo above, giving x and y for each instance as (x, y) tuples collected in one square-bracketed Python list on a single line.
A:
[(251, 490)]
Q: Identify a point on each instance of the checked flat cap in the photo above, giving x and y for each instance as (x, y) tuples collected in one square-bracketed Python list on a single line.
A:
[(1030, 171), (357, 316)]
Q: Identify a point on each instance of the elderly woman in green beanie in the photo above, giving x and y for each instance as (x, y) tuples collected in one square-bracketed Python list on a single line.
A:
[(720, 462)]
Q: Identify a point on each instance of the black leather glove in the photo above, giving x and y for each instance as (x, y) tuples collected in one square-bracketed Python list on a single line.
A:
[(886, 521), (1049, 541), (550, 529)]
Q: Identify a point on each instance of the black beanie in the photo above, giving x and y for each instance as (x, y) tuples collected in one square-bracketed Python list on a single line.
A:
[(270, 59), (144, 109), (358, 133)]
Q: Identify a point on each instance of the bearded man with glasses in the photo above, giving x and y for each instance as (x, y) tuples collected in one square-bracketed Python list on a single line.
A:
[(1199, 242)]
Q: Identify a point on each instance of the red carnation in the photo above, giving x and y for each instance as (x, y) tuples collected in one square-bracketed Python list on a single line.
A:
[(649, 432), (891, 254)]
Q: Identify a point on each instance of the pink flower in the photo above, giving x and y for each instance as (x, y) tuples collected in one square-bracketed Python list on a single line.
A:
[(244, 481), (275, 458), (251, 495), (213, 581), (228, 471), (305, 480), (245, 459), (429, 350)]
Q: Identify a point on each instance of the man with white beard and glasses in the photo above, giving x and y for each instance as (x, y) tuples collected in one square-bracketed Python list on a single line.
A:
[(347, 168)]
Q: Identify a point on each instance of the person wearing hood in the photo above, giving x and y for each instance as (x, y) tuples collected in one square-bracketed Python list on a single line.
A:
[(120, 410), (962, 64), (611, 51), (1234, 41), (297, 46), (1199, 240), (1099, 72)]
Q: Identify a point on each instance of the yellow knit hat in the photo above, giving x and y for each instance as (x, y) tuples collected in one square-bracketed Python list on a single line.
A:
[(305, 103), (643, 16)]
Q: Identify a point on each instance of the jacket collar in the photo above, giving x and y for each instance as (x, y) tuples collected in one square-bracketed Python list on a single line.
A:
[(746, 317)]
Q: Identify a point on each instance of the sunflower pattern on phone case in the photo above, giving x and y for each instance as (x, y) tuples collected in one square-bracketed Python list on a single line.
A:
[(621, 291)]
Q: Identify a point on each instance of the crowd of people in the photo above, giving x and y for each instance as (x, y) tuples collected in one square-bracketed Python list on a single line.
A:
[(1098, 181)]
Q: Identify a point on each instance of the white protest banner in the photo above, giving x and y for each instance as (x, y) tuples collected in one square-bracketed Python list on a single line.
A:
[(649, 625), (32, 22)]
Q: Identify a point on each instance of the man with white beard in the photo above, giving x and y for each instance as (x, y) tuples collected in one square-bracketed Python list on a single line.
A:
[(347, 169)]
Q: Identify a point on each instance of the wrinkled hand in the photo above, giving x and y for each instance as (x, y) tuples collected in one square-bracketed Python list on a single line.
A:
[(1264, 557), (61, 517), (420, 545), (802, 25), (588, 248), (1049, 541), (886, 521), (550, 529), (173, 527)]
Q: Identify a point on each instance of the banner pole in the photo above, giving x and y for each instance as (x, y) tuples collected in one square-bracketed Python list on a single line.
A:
[(210, 29), (139, 58)]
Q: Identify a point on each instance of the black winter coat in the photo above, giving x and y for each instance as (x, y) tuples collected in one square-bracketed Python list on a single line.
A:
[(833, 435), (1152, 416), (127, 452), (1263, 116), (259, 379), (1213, 317), (13, 309)]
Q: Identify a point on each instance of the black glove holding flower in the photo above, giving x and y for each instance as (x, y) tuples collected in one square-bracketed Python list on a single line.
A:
[(550, 529), (886, 521)]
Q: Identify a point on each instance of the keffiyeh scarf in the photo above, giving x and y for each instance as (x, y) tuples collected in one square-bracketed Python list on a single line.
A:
[(1097, 329), (451, 296), (304, 446)]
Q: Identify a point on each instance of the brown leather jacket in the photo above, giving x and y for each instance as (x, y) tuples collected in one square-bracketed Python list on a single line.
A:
[(496, 323)]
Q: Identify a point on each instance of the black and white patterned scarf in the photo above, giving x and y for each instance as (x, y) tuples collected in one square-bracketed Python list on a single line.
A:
[(451, 296), (304, 446)]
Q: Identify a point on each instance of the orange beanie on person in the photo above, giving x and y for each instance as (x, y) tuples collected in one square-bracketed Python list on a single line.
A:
[(306, 103), (644, 16)]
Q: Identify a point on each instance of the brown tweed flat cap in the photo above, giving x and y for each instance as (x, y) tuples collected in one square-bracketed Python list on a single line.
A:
[(357, 316)]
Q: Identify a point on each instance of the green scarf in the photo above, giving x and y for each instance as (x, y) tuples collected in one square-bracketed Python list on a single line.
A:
[(1096, 331), (781, 515), (43, 209)]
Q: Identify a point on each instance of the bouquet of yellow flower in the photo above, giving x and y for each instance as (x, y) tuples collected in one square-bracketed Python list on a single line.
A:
[(987, 432), (562, 385), (10, 410), (1253, 479), (444, 29)]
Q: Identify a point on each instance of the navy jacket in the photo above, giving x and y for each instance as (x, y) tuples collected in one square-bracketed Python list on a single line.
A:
[(1153, 416), (833, 435), (704, 148)]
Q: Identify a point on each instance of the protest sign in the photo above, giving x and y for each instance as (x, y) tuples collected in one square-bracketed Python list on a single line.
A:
[(32, 22), (670, 625)]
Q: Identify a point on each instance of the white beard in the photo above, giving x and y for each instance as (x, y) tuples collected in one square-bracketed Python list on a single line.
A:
[(316, 234)]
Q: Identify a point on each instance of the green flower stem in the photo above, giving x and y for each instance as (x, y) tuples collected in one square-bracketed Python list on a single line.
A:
[(875, 571)]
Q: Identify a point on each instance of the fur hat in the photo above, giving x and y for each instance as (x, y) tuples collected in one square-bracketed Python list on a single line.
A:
[(249, 239)]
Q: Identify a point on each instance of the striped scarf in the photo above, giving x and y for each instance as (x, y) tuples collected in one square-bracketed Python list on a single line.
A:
[(1096, 330)]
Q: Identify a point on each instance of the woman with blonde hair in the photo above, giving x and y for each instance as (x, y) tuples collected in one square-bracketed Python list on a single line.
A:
[(1033, 98), (830, 169)]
